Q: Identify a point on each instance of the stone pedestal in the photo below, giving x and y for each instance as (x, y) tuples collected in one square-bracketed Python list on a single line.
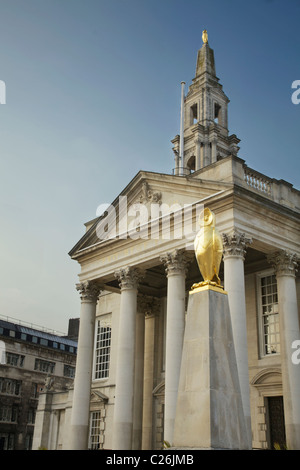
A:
[(209, 412)]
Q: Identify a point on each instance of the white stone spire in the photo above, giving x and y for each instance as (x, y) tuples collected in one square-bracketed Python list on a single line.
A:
[(206, 138)]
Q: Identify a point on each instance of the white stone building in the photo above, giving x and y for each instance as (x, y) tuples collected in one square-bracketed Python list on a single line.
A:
[(134, 288)]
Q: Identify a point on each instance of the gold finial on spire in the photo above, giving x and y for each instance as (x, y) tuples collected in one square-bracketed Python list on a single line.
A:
[(204, 37)]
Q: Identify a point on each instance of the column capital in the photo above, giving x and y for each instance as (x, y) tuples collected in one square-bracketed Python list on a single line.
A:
[(175, 262), (284, 263), (235, 244), (89, 291), (128, 277), (198, 139), (148, 305)]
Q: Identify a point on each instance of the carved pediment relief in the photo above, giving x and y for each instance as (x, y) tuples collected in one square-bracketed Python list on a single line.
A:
[(148, 195)]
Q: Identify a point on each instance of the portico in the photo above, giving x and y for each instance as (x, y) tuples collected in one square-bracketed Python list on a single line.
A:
[(164, 272)]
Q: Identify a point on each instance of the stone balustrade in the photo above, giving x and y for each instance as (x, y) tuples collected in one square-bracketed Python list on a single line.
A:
[(258, 181)]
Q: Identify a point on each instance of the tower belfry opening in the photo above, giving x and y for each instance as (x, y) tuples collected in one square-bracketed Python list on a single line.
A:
[(205, 135)]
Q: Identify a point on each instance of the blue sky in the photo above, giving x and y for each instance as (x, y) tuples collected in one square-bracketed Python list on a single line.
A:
[(93, 96)]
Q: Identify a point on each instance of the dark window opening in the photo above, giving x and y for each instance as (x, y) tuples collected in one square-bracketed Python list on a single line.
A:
[(277, 439), (191, 163), (217, 113), (194, 114)]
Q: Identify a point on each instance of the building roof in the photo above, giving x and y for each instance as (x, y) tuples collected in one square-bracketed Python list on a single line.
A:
[(25, 333)]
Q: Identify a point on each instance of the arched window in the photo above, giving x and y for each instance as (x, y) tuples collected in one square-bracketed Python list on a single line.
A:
[(191, 163)]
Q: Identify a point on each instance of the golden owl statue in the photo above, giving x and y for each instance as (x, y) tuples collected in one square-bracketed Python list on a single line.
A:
[(205, 37), (208, 247)]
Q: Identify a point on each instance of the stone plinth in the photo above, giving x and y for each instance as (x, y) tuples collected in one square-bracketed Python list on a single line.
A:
[(209, 412)]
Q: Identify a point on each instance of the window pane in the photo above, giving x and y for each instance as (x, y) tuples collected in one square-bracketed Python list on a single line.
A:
[(270, 317), (103, 339), (96, 431)]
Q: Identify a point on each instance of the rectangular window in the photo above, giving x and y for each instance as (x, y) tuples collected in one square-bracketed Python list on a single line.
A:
[(7, 441), (14, 359), (69, 371), (8, 413), (28, 441), (194, 114), (35, 389), (95, 430), (31, 416), (269, 315), (10, 386), (217, 113), (103, 339), (44, 366)]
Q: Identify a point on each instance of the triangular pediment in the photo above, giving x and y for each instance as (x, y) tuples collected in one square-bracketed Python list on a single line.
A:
[(98, 397), (145, 196)]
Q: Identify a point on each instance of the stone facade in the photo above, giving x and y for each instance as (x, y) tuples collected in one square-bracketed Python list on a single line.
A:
[(33, 363), (130, 344)]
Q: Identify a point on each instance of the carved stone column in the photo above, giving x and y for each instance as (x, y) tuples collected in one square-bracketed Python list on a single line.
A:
[(206, 153), (89, 293), (214, 150), (234, 283), (149, 306), (123, 409), (176, 264), (285, 265), (138, 378), (197, 142)]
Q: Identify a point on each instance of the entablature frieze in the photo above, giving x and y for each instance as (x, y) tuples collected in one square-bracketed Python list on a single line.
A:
[(269, 231)]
